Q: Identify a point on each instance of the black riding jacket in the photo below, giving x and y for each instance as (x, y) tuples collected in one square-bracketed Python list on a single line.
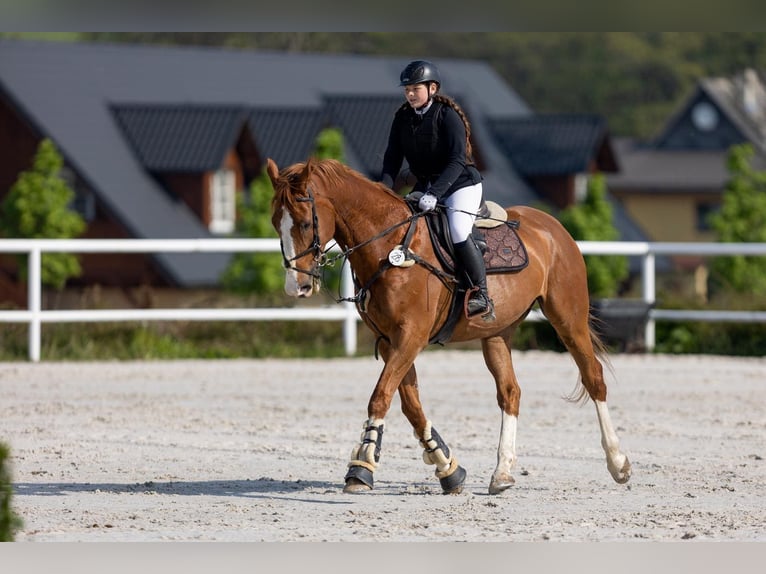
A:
[(434, 146)]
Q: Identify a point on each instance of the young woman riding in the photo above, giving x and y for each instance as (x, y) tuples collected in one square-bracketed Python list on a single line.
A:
[(433, 134)]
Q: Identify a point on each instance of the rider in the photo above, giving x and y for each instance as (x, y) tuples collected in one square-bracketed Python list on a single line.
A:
[(433, 134)]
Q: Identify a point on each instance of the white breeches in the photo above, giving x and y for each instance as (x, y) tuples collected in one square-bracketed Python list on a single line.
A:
[(461, 211)]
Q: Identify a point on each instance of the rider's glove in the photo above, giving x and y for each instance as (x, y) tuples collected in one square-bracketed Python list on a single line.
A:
[(427, 202)]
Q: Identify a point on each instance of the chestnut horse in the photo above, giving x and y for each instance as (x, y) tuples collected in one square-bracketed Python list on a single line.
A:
[(321, 200)]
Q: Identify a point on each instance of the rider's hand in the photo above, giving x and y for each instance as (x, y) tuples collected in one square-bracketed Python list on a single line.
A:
[(427, 202)]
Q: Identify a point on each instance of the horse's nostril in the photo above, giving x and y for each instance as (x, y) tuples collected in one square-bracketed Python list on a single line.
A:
[(305, 291)]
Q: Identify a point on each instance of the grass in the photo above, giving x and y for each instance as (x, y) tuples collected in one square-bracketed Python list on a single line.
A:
[(177, 340)]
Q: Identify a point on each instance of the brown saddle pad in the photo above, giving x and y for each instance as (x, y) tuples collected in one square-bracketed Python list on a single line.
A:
[(504, 253)]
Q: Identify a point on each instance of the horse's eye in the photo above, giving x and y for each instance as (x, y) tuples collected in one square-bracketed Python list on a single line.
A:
[(305, 226)]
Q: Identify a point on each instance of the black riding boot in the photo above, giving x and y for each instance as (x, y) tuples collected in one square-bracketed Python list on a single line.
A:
[(472, 261)]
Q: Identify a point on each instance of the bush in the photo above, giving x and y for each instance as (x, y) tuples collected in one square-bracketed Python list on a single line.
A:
[(592, 220), (9, 522)]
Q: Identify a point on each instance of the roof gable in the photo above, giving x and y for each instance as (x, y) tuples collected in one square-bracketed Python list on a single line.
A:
[(736, 111), (180, 138)]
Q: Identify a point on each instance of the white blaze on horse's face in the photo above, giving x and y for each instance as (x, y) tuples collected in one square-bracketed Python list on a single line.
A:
[(291, 275), (293, 285)]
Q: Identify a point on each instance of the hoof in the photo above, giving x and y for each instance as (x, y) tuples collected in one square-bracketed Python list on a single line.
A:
[(356, 486), (501, 483), (358, 479), (623, 475), (453, 484)]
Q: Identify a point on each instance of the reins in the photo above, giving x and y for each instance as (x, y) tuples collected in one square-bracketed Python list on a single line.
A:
[(322, 259)]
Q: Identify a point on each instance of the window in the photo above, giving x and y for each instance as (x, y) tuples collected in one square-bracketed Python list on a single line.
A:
[(580, 187), (223, 206), (84, 201), (704, 117), (704, 211)]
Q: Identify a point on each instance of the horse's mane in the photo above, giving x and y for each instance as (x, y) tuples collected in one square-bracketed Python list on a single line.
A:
[(329, 174)]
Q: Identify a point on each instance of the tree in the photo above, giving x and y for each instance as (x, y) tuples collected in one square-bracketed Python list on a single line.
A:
[(592, 220), (741, 219), (263, 272), (38, 206)]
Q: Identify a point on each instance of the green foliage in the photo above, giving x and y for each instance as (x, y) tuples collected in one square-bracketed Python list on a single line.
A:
[(329, 145), (697, 338), (131, 341), (9, 521), (592, 220), (38, 206), (255, 272), (742, 219)]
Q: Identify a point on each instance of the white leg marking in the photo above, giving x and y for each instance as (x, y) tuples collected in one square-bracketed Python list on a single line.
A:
[(506, 449), (615, 460), (285, 233), (506, 455)]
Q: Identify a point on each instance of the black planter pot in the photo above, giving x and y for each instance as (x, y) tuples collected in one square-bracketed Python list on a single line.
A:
[(621, 322)]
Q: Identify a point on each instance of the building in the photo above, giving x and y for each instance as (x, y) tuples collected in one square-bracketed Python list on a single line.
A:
[(157, 141), (670, 185)]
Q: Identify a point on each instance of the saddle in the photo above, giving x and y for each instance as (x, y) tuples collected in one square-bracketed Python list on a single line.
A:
[(500, 244), (495, 235)]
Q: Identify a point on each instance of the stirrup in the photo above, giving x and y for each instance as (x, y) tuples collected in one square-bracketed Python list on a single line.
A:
[(479, 303)]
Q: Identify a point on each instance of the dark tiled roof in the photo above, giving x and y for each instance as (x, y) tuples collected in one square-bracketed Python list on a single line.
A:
[(551, 144), (288, 99), (286, 135), (365, 122), (180, 138)]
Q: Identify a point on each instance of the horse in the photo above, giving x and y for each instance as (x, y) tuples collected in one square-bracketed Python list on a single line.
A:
[(318, 201)]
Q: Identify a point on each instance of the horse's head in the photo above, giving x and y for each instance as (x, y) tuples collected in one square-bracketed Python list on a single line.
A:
[(305, 223)]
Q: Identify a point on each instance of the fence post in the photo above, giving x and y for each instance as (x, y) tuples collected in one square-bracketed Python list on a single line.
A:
[(349, 323), (648, 290), (34, 302)]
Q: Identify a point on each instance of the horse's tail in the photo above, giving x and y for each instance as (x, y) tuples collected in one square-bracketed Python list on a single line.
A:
[(580, 394)]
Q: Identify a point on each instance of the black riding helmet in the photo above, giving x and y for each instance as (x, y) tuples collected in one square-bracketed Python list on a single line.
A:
[(419, 72)]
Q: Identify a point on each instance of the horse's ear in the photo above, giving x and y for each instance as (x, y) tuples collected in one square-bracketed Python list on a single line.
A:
[(272, 170), (306, 173)]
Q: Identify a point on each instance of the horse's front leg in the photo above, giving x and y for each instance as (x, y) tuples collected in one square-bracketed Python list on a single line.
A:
[(435, 451), (366, 454)]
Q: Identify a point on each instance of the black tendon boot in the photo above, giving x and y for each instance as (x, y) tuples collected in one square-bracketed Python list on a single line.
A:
[(472, 262)]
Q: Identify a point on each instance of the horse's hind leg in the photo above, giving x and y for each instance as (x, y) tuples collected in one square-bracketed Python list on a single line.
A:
[(497, 355), (582, 344)]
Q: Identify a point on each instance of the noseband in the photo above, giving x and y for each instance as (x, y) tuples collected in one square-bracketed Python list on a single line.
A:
[(315, 247)]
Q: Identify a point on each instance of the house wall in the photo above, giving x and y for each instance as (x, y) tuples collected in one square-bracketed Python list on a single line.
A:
[(194, 189), (189, 188), (667, 216), (114, 270), (18, 144), (558, 190)]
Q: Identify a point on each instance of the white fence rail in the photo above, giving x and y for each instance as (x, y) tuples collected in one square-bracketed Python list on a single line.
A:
[(34, 315)]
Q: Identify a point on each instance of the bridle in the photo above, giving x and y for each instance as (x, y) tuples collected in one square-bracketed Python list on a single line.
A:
[(320, 258)]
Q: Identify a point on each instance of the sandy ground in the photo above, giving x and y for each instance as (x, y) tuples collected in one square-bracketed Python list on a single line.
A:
[(256, 450)]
